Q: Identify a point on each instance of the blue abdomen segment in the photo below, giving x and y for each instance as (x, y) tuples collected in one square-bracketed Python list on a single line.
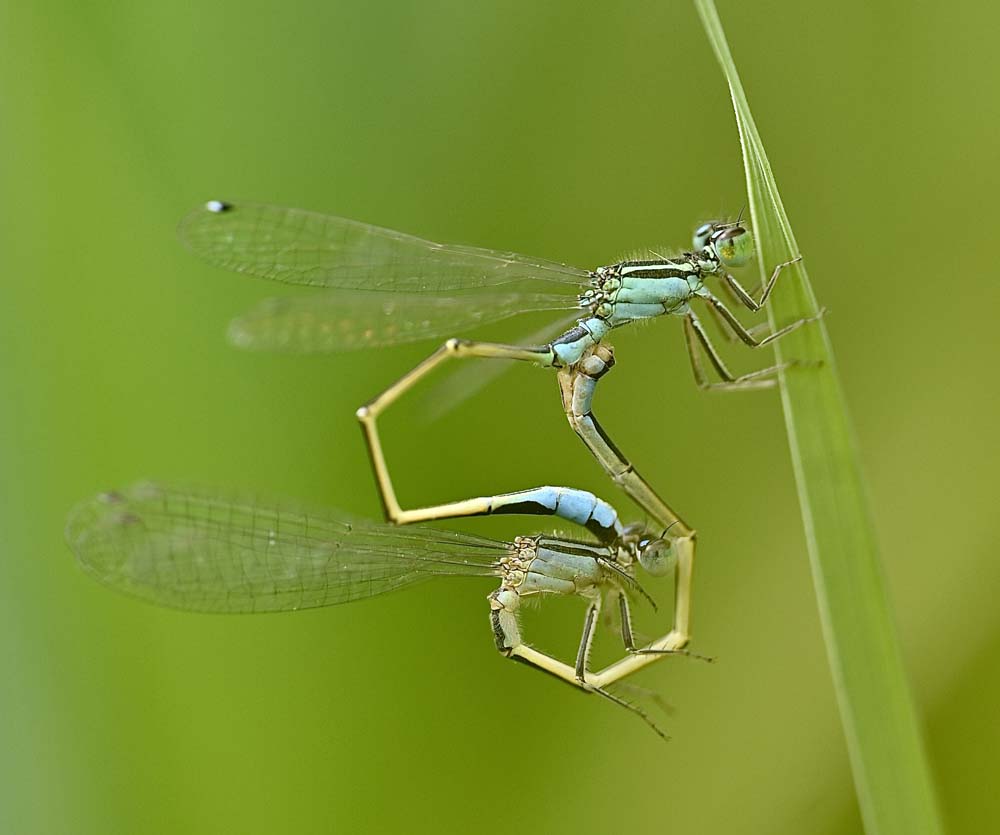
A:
[(571, 346), (577, 506)]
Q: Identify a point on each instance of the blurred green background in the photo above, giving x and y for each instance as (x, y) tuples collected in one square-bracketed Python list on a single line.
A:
[(572, 131)]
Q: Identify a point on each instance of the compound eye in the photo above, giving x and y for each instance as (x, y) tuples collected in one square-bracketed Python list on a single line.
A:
[(703, 234), (733, 245), (657, 557)]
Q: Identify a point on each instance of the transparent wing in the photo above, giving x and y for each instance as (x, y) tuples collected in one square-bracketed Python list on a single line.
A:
[(208, 552), (301, 247), (328, 322)]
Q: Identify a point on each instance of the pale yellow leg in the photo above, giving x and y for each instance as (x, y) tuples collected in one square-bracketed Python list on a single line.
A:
[(369, 413)]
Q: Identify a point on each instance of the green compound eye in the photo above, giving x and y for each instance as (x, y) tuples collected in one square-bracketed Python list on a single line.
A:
[(657, 557), (733, 245)]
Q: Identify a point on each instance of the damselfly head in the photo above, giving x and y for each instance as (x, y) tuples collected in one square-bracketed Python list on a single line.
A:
[(657, 556)]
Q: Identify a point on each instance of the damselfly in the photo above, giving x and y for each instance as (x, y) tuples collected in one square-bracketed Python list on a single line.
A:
[(389, 287), (212, 552), (393, 288)]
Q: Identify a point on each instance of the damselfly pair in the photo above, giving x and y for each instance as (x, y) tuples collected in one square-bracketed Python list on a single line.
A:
[(210, 552)]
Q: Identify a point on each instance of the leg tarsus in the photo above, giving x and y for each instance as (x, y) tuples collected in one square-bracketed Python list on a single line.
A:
[(746, 298), (586, 640), (628, 637), (695, 336), (726, 316), (708, 659), (648, 693), (638, 711), (759, 331), (761, 378)]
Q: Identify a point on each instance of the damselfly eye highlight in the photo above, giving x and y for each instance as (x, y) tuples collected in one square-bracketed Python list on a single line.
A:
[(733, 245), (657, 557)]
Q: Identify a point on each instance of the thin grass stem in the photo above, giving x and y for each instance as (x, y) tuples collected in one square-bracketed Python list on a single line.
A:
[(890, 768)]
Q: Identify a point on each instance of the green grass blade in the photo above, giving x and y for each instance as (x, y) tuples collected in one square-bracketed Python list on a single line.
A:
[(891, 773)]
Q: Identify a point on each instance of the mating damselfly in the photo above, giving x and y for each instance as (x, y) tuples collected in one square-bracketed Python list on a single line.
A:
[(387, 287), (209, 551)]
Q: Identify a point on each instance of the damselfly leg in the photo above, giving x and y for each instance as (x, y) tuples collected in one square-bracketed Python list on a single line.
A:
[(370, 412)]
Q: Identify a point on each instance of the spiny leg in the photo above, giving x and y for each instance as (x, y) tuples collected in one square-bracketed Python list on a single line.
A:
[(724, 314), (731, 293), (587, 639), (548, 664), (746, 298), (638, 711), (639, 692), (727, 332), (583, 657), (629, 639), (577, 386), (369, 413), (694, 334), (507, 634), (504, 604)]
